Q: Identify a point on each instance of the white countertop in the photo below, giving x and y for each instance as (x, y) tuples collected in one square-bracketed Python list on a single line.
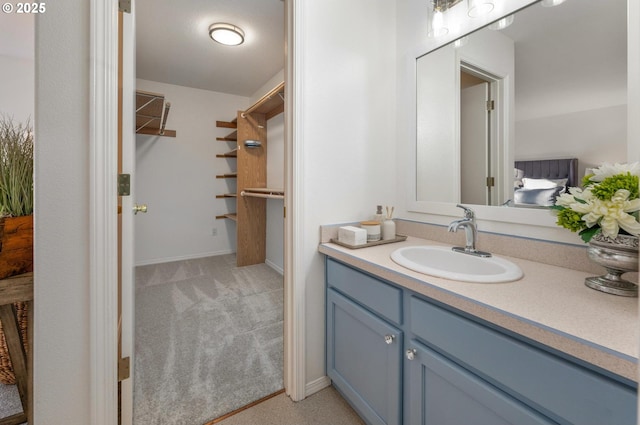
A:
[(549, 304)]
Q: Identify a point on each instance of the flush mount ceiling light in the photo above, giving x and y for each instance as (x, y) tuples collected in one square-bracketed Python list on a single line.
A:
[(226, 34)]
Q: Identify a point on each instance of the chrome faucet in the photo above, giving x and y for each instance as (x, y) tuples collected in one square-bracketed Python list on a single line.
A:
[(468, 223)]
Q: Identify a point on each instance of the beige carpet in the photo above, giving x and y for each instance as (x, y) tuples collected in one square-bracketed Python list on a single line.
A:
[(209, 339)]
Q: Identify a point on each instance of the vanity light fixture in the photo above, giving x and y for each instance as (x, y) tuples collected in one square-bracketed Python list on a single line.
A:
[(551, 3), (227, 34), (437, 21), (502, 23), (479, 8)]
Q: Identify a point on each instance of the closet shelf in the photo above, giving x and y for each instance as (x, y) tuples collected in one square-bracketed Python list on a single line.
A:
[(227, 124), (230, 154), (271, 104), (227, 195), (151, 114), (231, 137), (263, 192), (227, 176), (233, 217)]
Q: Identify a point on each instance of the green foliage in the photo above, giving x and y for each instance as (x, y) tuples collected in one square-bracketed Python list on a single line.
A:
[(570, 219), (16, 168), (608, 187), (588, 233)]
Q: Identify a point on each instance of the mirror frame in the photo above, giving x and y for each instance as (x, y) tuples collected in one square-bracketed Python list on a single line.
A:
[(540, 224)]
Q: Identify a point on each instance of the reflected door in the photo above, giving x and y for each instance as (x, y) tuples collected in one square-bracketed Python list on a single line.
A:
[(474, 145)]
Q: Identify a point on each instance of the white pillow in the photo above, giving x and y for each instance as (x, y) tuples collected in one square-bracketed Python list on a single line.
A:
[(529, 183)]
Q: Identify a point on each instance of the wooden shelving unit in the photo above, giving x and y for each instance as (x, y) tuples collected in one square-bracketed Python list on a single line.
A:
[(230, 216), (151, 114), (251, 191), (227, 176), (231, 137), (230, 154)]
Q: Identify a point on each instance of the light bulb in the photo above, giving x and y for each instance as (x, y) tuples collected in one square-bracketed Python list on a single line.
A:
[(502, 23), (438, 25), (551, 3)]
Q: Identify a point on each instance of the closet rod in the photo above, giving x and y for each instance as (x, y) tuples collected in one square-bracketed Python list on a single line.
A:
[(167, 106), (261, 195), (263, 99)]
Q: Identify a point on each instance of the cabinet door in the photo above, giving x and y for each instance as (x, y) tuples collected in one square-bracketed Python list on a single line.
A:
[(364, 360), (439, 392)]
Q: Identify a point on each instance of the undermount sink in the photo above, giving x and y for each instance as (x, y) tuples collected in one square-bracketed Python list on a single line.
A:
[(441, 261)]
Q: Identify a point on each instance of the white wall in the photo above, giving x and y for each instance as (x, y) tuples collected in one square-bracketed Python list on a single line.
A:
[(17, 88), (62, 337), (575, 135), (347, 134), (175, 177), (275, 179)]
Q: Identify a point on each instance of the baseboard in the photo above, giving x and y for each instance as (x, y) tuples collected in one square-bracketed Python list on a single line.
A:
[(317, 385), (274, 266), (183, 257)]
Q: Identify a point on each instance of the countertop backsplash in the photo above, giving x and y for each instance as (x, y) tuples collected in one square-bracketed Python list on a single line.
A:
[(547, 252)]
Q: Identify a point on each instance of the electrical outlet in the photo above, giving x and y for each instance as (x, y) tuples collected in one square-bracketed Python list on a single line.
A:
[(214, 231)]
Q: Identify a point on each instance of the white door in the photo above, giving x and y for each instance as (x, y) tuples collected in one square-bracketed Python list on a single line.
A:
[(474, 145), (127, 154)]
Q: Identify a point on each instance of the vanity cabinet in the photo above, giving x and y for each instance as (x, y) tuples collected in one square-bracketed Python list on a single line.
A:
[(364, 344), (445, 367)]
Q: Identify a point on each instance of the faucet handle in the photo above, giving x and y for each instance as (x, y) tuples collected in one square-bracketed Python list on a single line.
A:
[(468, 212)]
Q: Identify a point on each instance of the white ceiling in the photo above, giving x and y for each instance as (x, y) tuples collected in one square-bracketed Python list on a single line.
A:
[(173, 44)]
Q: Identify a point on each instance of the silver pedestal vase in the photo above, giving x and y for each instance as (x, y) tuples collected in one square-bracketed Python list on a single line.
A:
[(617, 256)]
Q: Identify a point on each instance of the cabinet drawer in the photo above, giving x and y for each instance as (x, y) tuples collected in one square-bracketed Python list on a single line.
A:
[(384, 299), (560, 389)]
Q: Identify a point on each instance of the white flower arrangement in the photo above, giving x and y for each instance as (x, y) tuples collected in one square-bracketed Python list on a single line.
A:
[(608, 204)]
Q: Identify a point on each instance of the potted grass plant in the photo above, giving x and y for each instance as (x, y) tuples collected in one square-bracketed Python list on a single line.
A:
[(16, 218)]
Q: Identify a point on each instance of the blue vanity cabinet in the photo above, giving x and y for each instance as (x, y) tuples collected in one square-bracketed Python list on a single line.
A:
[(440, 392), (364, 351), (559, 389), (454, 369)]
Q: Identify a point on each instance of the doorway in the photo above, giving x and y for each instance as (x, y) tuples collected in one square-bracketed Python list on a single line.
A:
[(190, 280), (479, 137)]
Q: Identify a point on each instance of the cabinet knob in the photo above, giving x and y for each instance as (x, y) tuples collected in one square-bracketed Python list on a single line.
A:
[(411, 354), (389, 339)]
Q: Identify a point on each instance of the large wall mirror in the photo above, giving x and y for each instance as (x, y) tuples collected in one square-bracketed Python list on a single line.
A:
[(550, 85)]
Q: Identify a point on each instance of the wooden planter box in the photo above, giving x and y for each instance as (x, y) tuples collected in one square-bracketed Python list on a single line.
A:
[(16, 257)]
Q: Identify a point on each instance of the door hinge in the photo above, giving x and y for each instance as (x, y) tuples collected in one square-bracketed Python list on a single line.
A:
[(124, 184), (491, 181), (124, 6), (491, 105), (124, 369), (284, 214)]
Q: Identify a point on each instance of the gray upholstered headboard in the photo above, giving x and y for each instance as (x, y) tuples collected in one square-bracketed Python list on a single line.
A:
[(550, 169)]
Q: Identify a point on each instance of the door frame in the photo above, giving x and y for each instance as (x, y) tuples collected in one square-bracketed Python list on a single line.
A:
[(103, 278), (103, 224)]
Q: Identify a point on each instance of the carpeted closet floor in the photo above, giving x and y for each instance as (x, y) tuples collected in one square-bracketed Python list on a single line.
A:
[(209, 339)]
